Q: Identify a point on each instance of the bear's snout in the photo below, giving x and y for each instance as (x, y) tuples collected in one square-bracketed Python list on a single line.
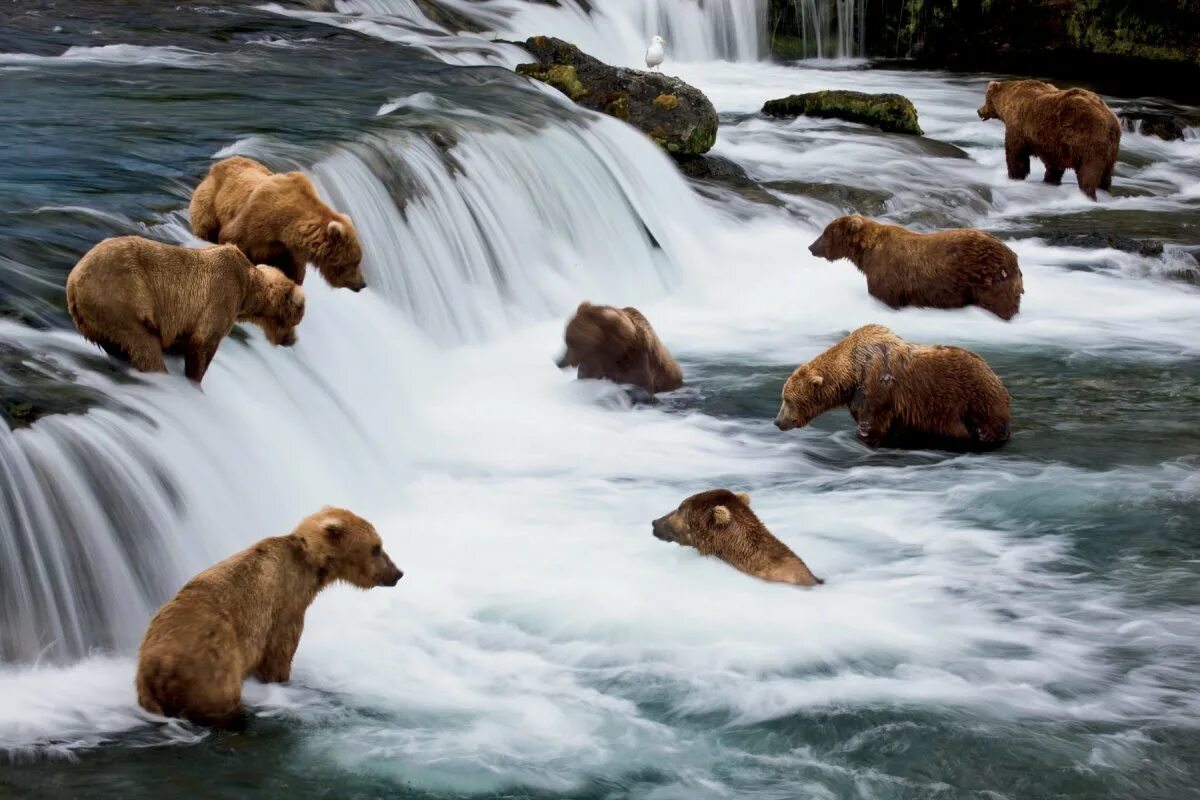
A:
[(816, 249), (661, 530), (393, 578), (357, 286), (784, 422), (564, 360), (288, 339)]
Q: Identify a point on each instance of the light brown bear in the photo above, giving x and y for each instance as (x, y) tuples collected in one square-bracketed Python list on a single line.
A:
[(139, 299), (720, 523), (245, 615), (618, 344), (276, 219), (901, 394), (1065, 128), (949, 269)]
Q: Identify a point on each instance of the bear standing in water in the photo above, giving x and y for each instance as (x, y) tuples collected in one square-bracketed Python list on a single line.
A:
[(619, 345), (245, 615), (901, 394), (1066, 129), (276, 219), (949, 269), (139, 299), (720, 523)]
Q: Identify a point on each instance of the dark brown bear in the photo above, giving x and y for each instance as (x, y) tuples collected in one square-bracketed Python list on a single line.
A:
[(949, 269), (276, 219), (245, 615), (901, 394), (1065, 128), (139, 299), (618, 344), (720, 523)]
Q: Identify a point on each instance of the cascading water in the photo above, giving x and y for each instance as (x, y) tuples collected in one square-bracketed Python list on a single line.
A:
[(1037, 604), (826, 28)]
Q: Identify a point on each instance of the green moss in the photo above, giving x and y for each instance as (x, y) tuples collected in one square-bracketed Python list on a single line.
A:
[(561, 76), (667, 102), (618, 107), (888, 112)]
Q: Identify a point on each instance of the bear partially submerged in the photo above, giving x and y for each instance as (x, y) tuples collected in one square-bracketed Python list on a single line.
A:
[(1065, 128), (619, 345), (901, 394), (139, 299), (244, 616), (276, 219), (720, 523), (948, 269)]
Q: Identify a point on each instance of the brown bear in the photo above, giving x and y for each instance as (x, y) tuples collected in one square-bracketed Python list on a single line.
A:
[(245, 615), (901, 394), (1066, 129), (276, 219), (139, 299), (720, 523), (950, 269), (618, 344)]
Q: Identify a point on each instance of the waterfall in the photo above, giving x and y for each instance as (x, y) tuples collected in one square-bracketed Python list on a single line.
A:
[(616, 31), (468, 236), (823, 28)]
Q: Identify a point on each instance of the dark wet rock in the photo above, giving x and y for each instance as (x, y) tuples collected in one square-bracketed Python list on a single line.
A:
[(718, 170), (1099, 240), (870, 202), (1165, 125), (674, 114), (33, 386), (892, 113)]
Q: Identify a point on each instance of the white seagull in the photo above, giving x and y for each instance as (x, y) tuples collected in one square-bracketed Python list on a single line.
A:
[(654, 53)]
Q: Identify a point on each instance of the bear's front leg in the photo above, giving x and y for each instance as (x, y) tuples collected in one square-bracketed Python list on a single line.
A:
[(198, 356), (1016, 152), (276, 663)]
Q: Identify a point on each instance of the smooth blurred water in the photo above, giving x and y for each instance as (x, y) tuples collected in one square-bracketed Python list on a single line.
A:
[(1021, 624)]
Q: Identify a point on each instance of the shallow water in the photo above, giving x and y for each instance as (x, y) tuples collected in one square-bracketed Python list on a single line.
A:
[(1021, 624)]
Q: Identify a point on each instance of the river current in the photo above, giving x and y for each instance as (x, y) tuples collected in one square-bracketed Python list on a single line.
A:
[(1022, 624)]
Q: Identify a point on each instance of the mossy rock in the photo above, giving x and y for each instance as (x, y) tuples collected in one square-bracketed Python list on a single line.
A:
[(561, 76), (677, 116), (892, 113)]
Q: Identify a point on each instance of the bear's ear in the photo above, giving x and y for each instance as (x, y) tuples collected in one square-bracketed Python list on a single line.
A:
[(336, 229), (816, 380), (332, 523), (584, 306), (854, 224), (297, 296), (744, 497), (721, 516)]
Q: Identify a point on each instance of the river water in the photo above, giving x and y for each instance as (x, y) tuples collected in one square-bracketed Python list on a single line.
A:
[(1022, 624)]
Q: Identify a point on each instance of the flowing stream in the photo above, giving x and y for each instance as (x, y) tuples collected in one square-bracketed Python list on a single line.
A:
[(1023, 624)]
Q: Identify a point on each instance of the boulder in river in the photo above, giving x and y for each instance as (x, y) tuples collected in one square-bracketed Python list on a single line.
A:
[(674, 114), (892, 113), (1166, 126)]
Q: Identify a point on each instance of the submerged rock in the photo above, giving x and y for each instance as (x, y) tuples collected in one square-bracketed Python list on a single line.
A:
[(1165, 125), (674, 114), (725, 172), (33, 386), (893, 113), (1099, 240)]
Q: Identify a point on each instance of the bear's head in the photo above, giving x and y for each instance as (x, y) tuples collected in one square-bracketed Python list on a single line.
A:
[(988, 110), (597, 334), (704, 519), (345, 547), (337, 253), (806, 395), (274, 303), (841, 238)]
